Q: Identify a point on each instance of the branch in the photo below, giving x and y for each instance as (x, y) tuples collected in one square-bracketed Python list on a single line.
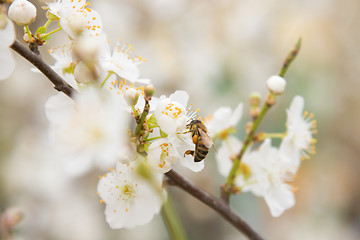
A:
[(60, 84), (219, 206)]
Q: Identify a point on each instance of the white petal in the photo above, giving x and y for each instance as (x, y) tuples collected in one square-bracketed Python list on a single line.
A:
[(229, 147), (7, 35), (289, 154), (296, 107), (181, 97), (7, 62), (59, 107), (237, 114), (280, 199), (188, 162)]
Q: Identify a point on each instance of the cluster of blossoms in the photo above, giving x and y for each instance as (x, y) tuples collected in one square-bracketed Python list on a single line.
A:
[(114, 122)]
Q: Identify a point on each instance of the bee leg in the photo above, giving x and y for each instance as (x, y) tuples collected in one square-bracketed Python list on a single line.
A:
[(189, 152)]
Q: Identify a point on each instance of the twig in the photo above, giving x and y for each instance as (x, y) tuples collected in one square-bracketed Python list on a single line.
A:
[(227, 187), (290, 57), (60, 84), (219, 206)]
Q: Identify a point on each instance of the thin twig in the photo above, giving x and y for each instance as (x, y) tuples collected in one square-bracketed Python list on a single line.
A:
[(60, 84), (219, 206), (290, 57)]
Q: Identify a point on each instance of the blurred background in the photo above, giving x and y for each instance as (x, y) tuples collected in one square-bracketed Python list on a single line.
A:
[(218, 51)]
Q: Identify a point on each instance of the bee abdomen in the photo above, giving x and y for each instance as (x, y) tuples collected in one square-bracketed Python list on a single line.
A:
[(200, 152)]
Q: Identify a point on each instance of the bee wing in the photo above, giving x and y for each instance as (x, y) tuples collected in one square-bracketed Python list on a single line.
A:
[(206, 139)]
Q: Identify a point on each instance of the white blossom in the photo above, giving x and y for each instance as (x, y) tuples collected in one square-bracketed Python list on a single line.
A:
[(171, 116), (276, 84), (76, 17), (298, 142), (122, 62), (224, 119), (271, 175), (7, 36), (92, 129), (130, 199), (22, 12), (170, 113), (64, 63)]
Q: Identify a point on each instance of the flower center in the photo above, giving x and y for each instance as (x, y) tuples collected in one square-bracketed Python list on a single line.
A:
[(120, 87), (173, 110), (127, 192)]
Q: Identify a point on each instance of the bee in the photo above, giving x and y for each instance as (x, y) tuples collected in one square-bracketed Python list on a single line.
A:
[(200, 138)]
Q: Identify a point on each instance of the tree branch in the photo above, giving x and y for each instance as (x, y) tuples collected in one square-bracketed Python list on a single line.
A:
[(60, 84), (219, 206)]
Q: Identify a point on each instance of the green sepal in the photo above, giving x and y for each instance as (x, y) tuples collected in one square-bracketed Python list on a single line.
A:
[(151, 120), (164, 135)]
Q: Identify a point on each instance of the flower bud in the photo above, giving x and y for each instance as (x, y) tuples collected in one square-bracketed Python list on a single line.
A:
[(149, 92), (131, 96), (276, 84), (86, 49), (84, 74), (22, 12), (255, 99)]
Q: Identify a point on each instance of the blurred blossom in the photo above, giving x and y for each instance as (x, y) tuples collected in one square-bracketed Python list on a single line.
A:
[(223, 121), (7, 36), (76, 17), (91, 129), (122, 62), (130, 199), (298, 143), (271, 179)]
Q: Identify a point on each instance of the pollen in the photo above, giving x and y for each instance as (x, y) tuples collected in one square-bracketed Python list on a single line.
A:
[(101, 201), (173, 111)]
